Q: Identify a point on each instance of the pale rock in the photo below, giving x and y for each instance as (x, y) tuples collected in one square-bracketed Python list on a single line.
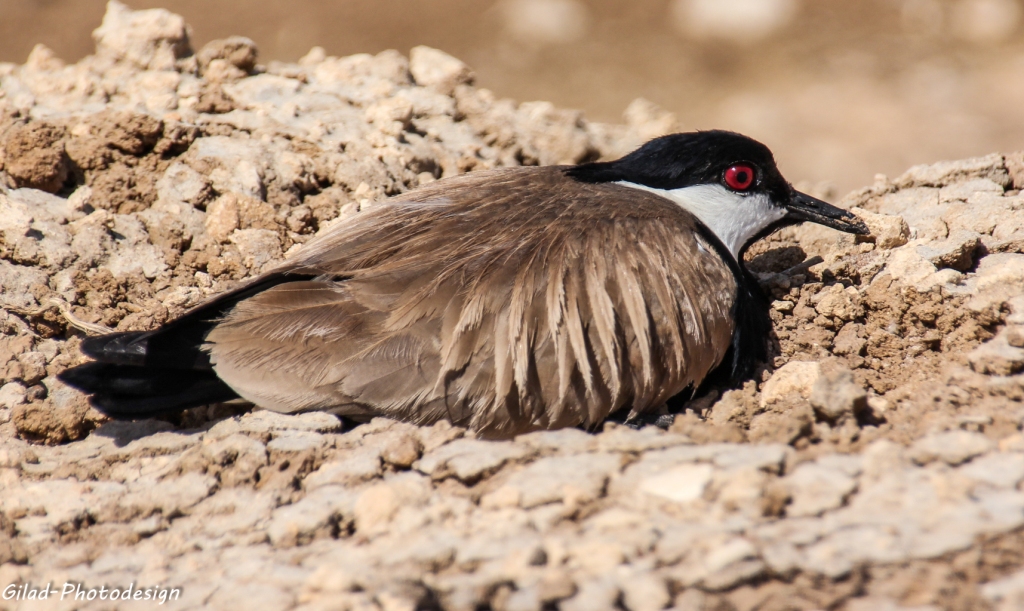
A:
[(948, 172), (998, 278), (955, 252), (18, 282), (250, 595), (815, 488), (551, 135), (594, 595), (997, 356), (229, 165), (151, 39), (136, 253), (469, 459), (266, 421), (835, 396), (401, 450), (316, 515), (644, 591), (524, 599), (849, 340), (237, 51), (376, 506), (649, 120), (159, 443), (440, 433), (767, 457), (793, 378), (11, 394), (889, 231), (836, 301), (258, 247), (43, 58), (618, 438), (951, 447), (170, 496), (908, 267), (353, 467), (555, 584), (691, 599), (998, 469), (967, 190), (880, 603), (567, 441), (577, 478), (222, 217), (680, 484), (240, 456), (721, 562), (295, 442), (392, 115), (436, 69), (1006, 594), (740, 490)]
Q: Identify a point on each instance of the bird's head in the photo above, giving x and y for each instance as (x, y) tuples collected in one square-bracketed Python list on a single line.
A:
[(728, 181)]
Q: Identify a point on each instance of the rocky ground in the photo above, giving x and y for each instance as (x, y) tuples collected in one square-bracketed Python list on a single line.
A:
[(874, 465)]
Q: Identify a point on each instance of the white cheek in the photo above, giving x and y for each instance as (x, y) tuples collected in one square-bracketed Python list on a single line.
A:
[(735, 219)]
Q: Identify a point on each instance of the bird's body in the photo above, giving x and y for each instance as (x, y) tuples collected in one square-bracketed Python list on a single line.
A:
[(504, 301)]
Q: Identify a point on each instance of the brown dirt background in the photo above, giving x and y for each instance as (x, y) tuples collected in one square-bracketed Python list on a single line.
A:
[(843, 91)]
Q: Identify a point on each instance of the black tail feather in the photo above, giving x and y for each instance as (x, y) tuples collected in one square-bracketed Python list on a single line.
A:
[(118, 348), (138, 374), (131, 392)]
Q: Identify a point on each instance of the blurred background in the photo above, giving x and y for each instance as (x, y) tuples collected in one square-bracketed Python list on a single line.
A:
[(839, 89)]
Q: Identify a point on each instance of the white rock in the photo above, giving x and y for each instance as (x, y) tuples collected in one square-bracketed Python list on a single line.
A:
[(815, 489), (889, 231), (948, 172), (644, 591), (433, 68), (998, 469), (997, 357), (795, 377), (577, 478), (682, 484), (355, 466), (469, 459), (951, 447), (258, 247), (314, 516), (11, 394), (1006, 594), (152, 39)]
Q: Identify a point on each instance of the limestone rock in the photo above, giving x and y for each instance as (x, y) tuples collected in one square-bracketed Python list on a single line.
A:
[(793, 378), (889, 231), (951, 447), (152, 39), (836, 396), (433, 68)]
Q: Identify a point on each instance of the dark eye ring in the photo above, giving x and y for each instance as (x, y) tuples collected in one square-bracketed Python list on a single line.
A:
[(739, 177)]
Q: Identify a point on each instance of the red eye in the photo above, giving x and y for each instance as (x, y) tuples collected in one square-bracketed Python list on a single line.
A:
[(739, 177)]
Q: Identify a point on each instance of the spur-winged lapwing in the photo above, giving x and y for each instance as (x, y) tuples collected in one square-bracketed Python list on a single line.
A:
[(504, 301)]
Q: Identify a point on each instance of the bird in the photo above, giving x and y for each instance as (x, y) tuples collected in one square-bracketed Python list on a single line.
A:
[(504, 301)]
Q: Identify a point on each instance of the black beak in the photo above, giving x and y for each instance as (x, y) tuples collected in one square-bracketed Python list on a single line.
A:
[(803, 207)]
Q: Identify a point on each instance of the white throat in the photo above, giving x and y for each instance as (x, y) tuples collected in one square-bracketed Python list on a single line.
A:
[(732, 217)]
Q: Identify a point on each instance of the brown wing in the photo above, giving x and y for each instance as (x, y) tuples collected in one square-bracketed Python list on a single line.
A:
[(505, 301)]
